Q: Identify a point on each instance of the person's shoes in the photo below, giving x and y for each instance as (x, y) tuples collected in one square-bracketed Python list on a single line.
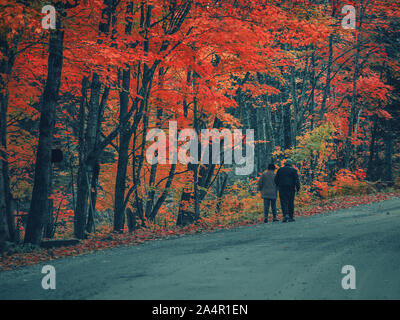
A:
[(285, 219), (265, 220), (275, 219), (291, 220)]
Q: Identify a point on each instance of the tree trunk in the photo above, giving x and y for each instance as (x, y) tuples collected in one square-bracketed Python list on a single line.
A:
[(163, 196), (269, 134), (41, 187), (202, 175), (6, 66), (388, 172), (123, 155), (327, 88), (4, 236), (87, 165), (90, 225), (5, 171), (371, 165), (89, 150), (313, 84), (221, 185), (131, 220), (49, 227), (196, 166), (287, 127), (82, 152), (352, 116)]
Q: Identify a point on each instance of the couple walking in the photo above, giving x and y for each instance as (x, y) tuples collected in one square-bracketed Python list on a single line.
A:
[(286, 181)]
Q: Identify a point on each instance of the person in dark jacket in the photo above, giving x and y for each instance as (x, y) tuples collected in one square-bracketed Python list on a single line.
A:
[(267, 187), (287, 181)]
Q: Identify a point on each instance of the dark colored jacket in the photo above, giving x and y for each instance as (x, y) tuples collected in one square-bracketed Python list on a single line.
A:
[(287, 176), (267, 186)]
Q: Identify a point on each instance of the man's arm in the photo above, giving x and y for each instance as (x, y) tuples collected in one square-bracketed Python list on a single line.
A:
[(297, 180), (276, 179), (260, 182)]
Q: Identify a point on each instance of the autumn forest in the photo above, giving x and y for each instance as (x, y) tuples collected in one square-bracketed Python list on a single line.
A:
[(100, 100)]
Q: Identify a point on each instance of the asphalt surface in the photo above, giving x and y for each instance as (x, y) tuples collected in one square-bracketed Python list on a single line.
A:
[(299, 260)]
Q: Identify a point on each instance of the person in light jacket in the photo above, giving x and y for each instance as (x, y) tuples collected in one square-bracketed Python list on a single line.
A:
[(268, 189)]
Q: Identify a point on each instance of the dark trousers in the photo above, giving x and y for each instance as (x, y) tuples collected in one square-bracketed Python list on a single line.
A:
[(267, 204), (286, 196)]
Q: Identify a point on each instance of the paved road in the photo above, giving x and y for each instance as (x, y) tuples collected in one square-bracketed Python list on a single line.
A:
[(301, 260)]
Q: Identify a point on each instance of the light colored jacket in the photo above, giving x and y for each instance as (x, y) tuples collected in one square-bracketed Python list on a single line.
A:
[(267, 186)]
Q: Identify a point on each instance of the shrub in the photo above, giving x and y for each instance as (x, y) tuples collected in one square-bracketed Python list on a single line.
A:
[(349, 183), (321, 189)]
